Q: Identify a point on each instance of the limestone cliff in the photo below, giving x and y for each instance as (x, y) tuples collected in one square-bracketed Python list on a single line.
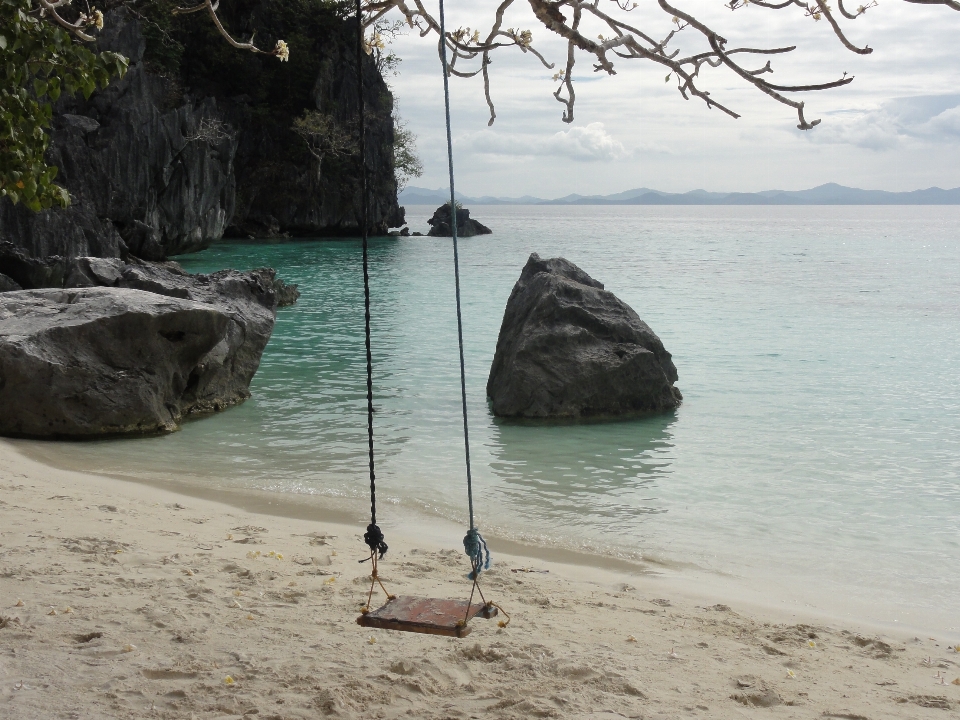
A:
[(195, 142)]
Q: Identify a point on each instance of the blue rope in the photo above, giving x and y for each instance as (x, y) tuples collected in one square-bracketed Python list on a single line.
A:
[(473, 542), (476, 549)]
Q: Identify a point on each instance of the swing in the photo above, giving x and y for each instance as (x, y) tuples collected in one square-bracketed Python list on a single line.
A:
[(433, 616)]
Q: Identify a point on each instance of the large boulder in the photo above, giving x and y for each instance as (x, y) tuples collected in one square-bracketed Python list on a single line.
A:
[(134, 358), (466, 226), (98, 361), (569, 349)]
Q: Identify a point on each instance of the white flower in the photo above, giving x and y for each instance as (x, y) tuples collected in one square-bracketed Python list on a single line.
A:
[(97, 19), (282, 51), (523, 38)]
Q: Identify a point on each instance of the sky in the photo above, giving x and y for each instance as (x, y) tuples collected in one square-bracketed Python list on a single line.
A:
[(895, 127)]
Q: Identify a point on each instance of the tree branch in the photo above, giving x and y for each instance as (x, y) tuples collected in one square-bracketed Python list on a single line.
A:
[(624, 41), (280, 51)]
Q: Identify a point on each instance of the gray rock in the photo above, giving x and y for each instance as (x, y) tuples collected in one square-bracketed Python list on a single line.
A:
[(92, 272), (248, 299), (137, 357), (570, 349), (105, 361), (156, 171), (466, 226), (7, 284), (286, 294), (84, 124), (31, 272)]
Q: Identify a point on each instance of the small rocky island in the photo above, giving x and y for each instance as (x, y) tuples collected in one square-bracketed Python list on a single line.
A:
[(570, 349), (466, 226)]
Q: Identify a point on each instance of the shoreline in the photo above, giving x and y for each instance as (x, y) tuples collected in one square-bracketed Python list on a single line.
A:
[(688, 579), (135, 598)]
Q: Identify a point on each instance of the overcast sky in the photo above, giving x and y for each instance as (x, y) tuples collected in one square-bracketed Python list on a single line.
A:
[(896, 127)]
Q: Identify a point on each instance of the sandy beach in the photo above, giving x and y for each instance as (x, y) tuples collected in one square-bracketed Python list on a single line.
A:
[(120, 600)]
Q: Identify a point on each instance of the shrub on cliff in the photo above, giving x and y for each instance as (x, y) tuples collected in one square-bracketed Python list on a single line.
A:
[(38, 61)]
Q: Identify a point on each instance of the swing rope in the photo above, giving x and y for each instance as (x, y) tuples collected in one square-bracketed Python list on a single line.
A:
[(373, 537), (473, 543)]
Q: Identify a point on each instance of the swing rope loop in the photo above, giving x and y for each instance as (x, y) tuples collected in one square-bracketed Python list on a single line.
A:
[(374, 536)]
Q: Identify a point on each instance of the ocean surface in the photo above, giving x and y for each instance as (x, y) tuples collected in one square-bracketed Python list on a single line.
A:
[(816, 454)]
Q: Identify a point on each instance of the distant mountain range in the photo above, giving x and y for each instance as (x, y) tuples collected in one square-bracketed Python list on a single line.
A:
[(829, 194)]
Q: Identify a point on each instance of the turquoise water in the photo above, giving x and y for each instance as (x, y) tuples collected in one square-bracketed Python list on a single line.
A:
[(817, 449)]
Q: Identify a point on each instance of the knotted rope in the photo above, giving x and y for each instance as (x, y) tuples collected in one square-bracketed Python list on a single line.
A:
[(476, 549), (374, 536)]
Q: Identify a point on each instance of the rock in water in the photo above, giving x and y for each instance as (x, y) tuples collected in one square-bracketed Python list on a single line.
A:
[(569, 348), (133, 359), (466, 226), (287, 295)]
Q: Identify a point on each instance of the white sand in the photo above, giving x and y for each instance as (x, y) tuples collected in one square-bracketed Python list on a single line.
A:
[(119, 600)]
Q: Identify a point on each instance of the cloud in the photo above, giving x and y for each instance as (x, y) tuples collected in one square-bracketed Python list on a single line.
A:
[(928, 118), (589, 143)]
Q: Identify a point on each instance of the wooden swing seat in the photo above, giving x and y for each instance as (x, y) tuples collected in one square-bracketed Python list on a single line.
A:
[(432, 616)]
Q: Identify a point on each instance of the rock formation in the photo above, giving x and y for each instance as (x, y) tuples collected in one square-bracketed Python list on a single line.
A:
[(286, 294), (570, 349), (7, 284), (466, 226), (189, 147), (133, 358)]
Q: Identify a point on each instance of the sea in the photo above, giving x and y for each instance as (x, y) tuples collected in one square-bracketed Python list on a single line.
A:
[(815, 457)]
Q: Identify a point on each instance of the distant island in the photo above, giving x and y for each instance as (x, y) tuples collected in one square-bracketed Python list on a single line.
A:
[(828, 194)]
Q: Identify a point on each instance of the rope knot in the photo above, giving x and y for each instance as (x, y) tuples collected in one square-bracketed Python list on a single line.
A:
[(476, 549), (374, 539)]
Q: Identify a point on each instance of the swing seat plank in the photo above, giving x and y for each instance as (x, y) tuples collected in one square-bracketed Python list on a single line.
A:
[(432, 616)]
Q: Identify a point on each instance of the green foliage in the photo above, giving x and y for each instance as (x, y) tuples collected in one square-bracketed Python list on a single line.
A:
[(324, 136), (38, 62), (406, 163)]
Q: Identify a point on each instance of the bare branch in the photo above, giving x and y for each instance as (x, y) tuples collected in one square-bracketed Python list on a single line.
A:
[(324, 137), (622, 40), (952, 4), (210, 131), (94, 19), (281, 50), (825, 9)]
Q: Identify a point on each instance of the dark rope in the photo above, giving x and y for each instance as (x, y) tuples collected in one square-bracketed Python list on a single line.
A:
[(470, 542), (373, 537)]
